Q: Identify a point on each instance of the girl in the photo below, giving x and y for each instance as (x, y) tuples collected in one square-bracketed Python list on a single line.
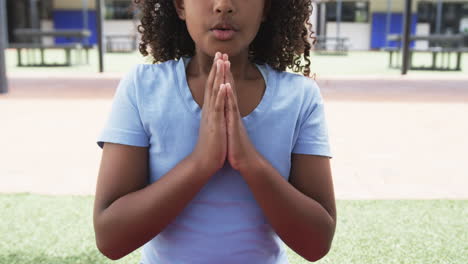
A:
[(216, 154)]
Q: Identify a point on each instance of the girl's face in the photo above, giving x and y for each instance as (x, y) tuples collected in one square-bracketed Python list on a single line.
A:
[(228, 26)]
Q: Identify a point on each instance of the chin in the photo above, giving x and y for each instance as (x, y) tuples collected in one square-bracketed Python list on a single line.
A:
[(230, 51)]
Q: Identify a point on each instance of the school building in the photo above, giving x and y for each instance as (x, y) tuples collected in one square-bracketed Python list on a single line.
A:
[(120, 16), (364, 22)]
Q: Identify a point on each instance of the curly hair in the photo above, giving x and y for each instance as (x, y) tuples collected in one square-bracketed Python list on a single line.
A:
[(281, 42)]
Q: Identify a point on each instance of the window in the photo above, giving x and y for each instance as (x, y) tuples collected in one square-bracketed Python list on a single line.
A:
[(426, 12), (45, 9), (119, 9), (351, 11), (452, 15)]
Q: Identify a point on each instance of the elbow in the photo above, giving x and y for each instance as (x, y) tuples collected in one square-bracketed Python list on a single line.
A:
[(109, 251), (107, 244), (316, 254), (320, 248)]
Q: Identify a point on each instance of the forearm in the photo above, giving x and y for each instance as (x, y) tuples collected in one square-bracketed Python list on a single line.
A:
[(134, 219), (300, 221)]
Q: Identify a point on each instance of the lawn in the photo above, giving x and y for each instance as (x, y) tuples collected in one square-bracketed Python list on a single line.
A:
[(355, 63), (58, 229)]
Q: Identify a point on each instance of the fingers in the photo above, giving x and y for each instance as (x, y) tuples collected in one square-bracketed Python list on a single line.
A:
[(218, 80), (212, 74), (220, 102), (211, 78), (220, 73), (227, 68), (232, 106), (229, 78), (231, 98)]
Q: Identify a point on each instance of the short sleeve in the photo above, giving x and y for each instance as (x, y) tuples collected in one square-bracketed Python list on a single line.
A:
[(124, 125), (312, 137)]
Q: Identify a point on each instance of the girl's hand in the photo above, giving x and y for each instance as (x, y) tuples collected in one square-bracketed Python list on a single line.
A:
[(240, 150), (211, 148)]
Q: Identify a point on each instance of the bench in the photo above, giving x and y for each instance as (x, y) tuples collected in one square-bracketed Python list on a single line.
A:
[(443, 64), (32, 48), (120, 43), (35, 45), (331, 45), (443, 45)]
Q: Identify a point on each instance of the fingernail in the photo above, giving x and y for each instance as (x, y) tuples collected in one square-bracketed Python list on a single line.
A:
[(222, 87), (217, 54)]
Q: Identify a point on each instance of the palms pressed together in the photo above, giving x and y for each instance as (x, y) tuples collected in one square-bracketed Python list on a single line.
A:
[(238, 150)]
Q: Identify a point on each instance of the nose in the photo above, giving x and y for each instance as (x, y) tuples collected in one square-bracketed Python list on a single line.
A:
[(224, 6)]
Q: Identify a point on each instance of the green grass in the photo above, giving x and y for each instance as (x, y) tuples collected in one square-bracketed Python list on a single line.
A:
[(58, 229), (355, 63)]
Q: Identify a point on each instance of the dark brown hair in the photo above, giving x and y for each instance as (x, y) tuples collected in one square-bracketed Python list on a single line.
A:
[(281, 42)]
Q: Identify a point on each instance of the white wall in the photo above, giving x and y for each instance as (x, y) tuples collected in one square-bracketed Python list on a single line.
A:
[(121, 27), (72, 4), (357, 33), (464, 24), (422, 29), (47, 25), (314, 17)]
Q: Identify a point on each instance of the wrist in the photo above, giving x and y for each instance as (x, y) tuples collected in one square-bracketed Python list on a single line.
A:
[(252, 165), (203, 165)]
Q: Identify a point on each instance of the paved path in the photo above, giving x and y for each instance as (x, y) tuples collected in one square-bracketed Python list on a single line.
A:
[(392, 138)]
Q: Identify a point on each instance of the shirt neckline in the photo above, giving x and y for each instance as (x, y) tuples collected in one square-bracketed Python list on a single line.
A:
[(249, 120)]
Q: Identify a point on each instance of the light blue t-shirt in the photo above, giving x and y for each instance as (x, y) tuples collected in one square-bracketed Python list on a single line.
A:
[(153, 107)]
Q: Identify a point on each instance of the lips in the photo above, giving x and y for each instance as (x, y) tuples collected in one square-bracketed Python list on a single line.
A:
[(224, 31), (223, 34)]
